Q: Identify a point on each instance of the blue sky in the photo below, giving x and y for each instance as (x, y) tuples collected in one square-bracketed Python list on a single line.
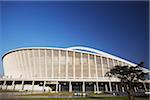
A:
[(119, 28)]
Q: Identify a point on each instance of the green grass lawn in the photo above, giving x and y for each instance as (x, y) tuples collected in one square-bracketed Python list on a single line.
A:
[(2, 91), (49, 94), (91, 97), (100, 98)]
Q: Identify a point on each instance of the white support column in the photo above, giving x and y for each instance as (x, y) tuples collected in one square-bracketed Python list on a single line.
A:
[(66, 64), (52, 64), (70, 87), (110, 87), (13, 84), (81, 65), (106, 88), (89, 67), (122, 89), (59, 57), (4, 84), (97, 86), (22, 87), (117, 87), (57, 86), (95, 61), (45, 63), (32, 85), (83, 87), (102, 66), (74, 65), (44, 86), (144, 86), (39, 63)]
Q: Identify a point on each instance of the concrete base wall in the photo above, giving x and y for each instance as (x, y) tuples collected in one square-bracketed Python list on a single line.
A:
[(51, 86)]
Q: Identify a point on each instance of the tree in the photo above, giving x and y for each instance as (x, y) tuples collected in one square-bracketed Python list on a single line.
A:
[(128, 75)]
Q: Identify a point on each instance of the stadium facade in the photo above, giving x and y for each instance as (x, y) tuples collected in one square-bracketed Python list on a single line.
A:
[(70, 69)]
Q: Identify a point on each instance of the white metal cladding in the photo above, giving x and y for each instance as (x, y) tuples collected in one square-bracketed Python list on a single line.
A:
[(59, 63)]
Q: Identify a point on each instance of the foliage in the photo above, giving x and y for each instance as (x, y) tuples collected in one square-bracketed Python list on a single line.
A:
[(128, 75)]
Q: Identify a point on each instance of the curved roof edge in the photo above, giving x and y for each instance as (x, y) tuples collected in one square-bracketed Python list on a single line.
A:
[(76, 48), (80, 49), (24, 48), (100, 52)]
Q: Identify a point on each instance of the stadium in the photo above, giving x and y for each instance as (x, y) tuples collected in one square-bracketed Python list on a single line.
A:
[(73, 69)]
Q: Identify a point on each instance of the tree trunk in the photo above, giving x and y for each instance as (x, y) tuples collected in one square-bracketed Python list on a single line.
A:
[(130, 94)]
